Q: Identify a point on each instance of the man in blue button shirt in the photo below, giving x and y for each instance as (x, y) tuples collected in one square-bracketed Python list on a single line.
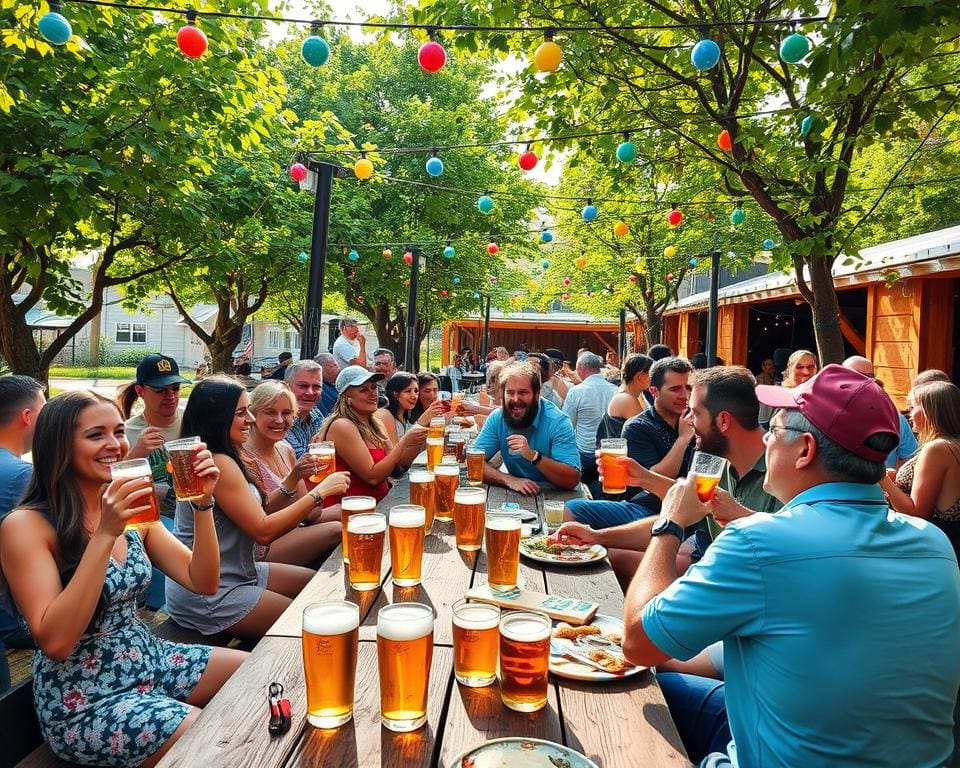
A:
[(839, 618), (534, 438)]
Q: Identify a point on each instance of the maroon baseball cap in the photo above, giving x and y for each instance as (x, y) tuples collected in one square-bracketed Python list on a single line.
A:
[(846, 406)]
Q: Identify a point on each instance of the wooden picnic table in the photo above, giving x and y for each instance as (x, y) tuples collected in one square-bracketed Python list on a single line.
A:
[(619, 724)]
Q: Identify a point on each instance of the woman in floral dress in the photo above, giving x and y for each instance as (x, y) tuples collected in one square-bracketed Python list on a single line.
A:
[(107, 692)]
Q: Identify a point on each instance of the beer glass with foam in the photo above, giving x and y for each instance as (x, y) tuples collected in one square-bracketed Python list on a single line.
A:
[(186, 483), (708, 470), (404, 655), (353, 505), (437, 426), (330, 637), (423, 494), (137, 468), (407, 522), (446, 480), (503, 549), (614, 473), (468, 514), (434, 451), (476, 643), (325, 454), (524, 660), (365, 533), (476, 457)]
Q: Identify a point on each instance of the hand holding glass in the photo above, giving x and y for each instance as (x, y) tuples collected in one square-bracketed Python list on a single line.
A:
[(708, 470)]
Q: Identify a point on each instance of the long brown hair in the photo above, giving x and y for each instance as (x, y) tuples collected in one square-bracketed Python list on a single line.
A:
[(370, 429), (125, 398), (940, 403)]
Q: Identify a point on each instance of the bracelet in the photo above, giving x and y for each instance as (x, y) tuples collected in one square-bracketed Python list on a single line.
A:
[(315, 496), (204, 507), (285, 492)]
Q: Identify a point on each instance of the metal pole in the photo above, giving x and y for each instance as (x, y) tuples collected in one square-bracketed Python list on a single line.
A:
[(623, 334), (313, 311), (411, 351), (711, 349), (486, 332)]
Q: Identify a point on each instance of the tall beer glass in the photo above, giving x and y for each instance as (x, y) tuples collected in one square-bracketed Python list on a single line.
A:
[(476, 643), (614, 473), (434, 451), (423, 494), (353, 505), (330, 634), (708, 470), (404, 655), (365, 533), (437, 425), (186, 483), (503, 549), (138, 468), (476, 457), (325, 454), (468, 507), (524, 660), (447, 478), (406, 543)]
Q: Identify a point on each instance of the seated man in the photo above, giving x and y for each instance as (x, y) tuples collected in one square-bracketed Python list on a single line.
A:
[(532, 436), (823, 608)]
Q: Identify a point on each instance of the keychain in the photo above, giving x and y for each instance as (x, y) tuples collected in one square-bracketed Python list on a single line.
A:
[(279, 710)]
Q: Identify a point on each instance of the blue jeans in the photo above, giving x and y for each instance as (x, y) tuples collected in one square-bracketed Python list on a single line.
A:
[(606, 514), (698, 706)]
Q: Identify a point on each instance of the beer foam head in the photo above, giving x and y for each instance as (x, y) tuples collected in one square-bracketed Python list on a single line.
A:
[(408, 516), (499, 521), (125, 470), (446, 469), (476, 616), (405, 621), (470, 496), (321, 449), (358, 503), (366, 523), (523, 627), (434, 441), (421, 476), (332, 617)]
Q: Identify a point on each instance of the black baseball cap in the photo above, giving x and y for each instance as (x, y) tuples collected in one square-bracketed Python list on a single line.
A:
[(159, 371), (284, 356), (554, 354)]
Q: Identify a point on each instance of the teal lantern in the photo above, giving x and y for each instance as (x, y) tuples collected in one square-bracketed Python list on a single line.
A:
[(485, 203), (448, 252), (434, 166), (546, 236), (626, 152), (315, 50), (544, 264), (353, 256), (54, 27), (738, 216), (303, 258), (705, 54), (768, 244), (794, 48), (456, 281), (589, 212), (476, 295), (693, 262), (806, 125)]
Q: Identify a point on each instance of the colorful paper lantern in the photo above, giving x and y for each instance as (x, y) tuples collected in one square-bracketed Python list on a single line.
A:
[(674, 217), (449, 252), (806, 125), (794, 48), (632, 278), (669, 276), (620, 229), (432, 56), (303, 258), (298, 172), (581, 262), (546, 236), (492, 248), (724, 141), (532, 285), (589, 212), (565, 297), (544, 264), (456, 281), (485, 203), (54, 27), (434, 166), (359, 299), (315, 50), (363, 168), (353, 256), (387, 253), (566, 281), (670, 251), (548, 56), (768, 244), (527, 160), (693, 262), (626, 151), (705, 55), (638, 264), (408, 258), (443, 292), (738, 216), (492, 279), (190, 39), (476, 295)]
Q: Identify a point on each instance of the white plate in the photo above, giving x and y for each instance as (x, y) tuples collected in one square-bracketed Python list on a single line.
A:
[(584, 556), (510, 751), (566, 667)]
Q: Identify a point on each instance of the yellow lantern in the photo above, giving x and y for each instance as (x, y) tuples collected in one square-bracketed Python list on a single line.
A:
[(548, 56), (581, 262), (363, 169), (620, 229), (533, 285), (670, 251)]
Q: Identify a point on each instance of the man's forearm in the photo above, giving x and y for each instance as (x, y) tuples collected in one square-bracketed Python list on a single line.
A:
[(493, 476), (560, 474), (669, 465), (635, 535), (657, 571)]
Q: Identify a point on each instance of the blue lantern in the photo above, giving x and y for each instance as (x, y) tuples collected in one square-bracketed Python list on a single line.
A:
[(589, 212), (456, 281), (54, 26), (705, 54), (546, 236), (693, 262), (485, 203), (794, 48), (738, 216), (768, 244), (353, 256), (448, 252), (303, 258), (806, 125), (544, 264), (434, 166), (626, 152), (315, 50)]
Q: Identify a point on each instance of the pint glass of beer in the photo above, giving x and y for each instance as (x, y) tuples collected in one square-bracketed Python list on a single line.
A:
[(524, 660), (434, 451), (404, 654), (460, 438), (407, 522), (423, 494), (437, 426), (708, 470), (455, 400), (330, 634), (503, 549), (446, 481), (326, 457), (468, 509), (614, 474), (187, 484), (365, 533), (476, 642), (136, 468), (475, 461), (353, 505)]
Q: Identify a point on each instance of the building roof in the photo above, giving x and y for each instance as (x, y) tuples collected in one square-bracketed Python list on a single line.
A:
[(540, 318)]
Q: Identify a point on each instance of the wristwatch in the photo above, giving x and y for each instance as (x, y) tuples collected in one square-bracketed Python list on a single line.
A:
[(536, 459), (666, 526)]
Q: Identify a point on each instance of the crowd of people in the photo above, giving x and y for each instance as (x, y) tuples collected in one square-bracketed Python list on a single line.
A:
[(748, 616)]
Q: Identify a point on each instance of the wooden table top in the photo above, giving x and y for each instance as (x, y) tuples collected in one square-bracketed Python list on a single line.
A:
[(620, 724)]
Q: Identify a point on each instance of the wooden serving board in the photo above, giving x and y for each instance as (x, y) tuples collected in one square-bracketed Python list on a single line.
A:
[(571, 610)]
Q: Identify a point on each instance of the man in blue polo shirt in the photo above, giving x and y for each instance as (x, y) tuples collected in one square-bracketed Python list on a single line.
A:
[(839, 618), (534, 438)]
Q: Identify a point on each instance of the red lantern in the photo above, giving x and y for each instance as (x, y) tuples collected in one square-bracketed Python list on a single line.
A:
[(566, 281), (408, 258), (359, 299), (724, 141), (565, 297), (669, 276), (674, 217), (492, 248), (528, 160), (432, 56), (298, 171), (443, 293), (632, 278), (191, 41)]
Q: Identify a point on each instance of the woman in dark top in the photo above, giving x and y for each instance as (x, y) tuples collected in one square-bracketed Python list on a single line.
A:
[(628, 402)]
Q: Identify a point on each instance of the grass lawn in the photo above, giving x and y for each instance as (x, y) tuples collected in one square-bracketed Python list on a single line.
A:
[(122, 373)]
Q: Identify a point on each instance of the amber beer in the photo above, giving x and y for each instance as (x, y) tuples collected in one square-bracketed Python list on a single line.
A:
[(476, 457), (468, 514), (476, 643), (353, 505), (406, 543), (707, 470), (437, 427), (434, 451), (524, 660), (138, 468), (325, 455), (365, 533), (446, 480), (614, 473), (186, 482), (330, 635), (404, 655), (503, 549), (423, 494)]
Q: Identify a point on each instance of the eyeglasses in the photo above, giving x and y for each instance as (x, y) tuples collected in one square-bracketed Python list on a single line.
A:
[(173, 388), (774, 428)]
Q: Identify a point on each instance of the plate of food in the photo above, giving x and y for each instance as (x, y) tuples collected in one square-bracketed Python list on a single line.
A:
[(546, 550), (515, 752), (590, 652)]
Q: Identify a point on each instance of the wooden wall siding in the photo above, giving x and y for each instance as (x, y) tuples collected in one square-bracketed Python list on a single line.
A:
[(732, 333), (671, 331), (893, 341), (936, 326), (536, 338)]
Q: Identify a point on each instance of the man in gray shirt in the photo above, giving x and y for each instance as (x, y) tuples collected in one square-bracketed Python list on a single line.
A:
[(586, 404), (21, 399)]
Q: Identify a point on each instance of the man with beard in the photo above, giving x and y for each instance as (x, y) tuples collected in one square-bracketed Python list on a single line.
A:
[(534, 438)]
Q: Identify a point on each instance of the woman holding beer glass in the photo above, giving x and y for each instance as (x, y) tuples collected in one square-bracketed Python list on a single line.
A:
[(403, 395), (251, 595), (107, 691), (281, 479)]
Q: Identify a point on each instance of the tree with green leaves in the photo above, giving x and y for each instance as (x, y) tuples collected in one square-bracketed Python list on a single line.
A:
[(797, 131)]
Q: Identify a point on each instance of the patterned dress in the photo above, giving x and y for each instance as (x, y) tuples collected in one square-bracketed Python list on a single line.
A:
[(118, 697)]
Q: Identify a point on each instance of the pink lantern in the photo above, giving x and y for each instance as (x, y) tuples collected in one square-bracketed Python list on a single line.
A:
[(566, 281), (298, 172), (432, 56), (632, 278), (408, 258)]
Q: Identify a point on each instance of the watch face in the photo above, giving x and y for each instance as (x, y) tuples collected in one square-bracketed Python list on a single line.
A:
[(664, 525), (660, 526)]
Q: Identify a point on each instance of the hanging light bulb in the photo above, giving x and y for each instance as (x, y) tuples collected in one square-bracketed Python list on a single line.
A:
[(794, 47), (432, 55), (434, 165), (705, 54), (314, 49), (190, 38), (54, 27), (363, 168), (546, 236), (670, 251), (620, 229), (548, 55), (527, 160), (581, 262), (626, 150)]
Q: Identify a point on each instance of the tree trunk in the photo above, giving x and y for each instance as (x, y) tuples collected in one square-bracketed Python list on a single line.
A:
[(653, 326), (826, 312), (16, 337)]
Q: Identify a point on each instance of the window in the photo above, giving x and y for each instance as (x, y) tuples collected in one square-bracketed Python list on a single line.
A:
[(273, 340), (131, 333), (291, 340)]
